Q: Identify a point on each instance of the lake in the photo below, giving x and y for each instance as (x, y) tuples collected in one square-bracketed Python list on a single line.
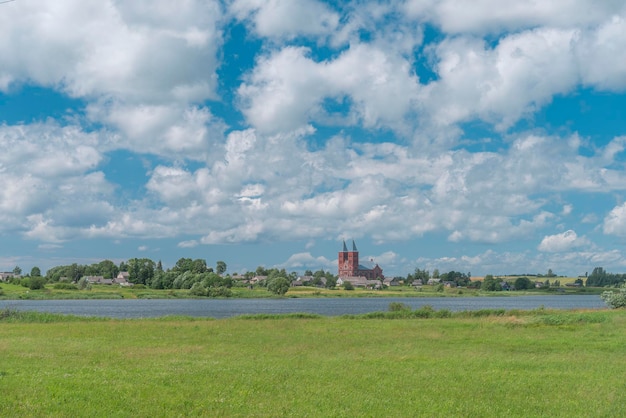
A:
[(224, 308)]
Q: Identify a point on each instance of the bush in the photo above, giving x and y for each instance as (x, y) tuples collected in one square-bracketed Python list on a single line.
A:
[(198, 290), (83, 284), (399, 307), (36, 283), (615, 299), (219, 292), (347, 286), (65, 286)]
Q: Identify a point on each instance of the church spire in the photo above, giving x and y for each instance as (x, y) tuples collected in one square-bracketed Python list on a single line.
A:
[(354, 246), (345, 249)]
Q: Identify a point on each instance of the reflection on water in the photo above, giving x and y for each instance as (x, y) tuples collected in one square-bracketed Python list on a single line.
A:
[(224, 308)]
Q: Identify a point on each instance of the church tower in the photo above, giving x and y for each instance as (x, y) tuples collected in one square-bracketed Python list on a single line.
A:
[(348, 261)]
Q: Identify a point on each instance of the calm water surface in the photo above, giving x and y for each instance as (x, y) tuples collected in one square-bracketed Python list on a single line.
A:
[(224, 308)]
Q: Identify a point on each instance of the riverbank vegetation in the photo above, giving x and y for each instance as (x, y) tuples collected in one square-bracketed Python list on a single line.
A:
[(10, 291), (494, 363)]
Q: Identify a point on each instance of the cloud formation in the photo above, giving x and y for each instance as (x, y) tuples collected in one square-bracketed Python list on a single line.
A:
[(393, 123)]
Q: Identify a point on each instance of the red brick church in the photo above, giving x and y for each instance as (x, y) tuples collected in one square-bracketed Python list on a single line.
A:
[(348, 263)]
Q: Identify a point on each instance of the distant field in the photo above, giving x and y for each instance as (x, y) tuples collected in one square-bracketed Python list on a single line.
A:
[(545, 363)]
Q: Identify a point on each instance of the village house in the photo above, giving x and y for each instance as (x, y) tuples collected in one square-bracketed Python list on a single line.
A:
[(122, 279), (360, 281), (5, 276), (97, 280), (394, 281)]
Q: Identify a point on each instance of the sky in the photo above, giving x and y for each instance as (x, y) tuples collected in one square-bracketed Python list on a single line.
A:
[(485, 137)]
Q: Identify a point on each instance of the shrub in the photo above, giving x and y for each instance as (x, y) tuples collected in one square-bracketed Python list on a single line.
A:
[(37, 282), (348, 286), (425, 311), (399, 307), (83, 284), (220, 291), (198, 290), (615, 299), (65, 286)]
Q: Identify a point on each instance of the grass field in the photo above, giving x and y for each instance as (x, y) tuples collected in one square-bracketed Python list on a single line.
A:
[(540, 363)]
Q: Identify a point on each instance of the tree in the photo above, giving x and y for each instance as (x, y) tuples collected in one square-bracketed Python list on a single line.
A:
[(279, 285), (522, 283), (141, 270), (183, 265), (35, 272), (490, 284), (106, 269), (220, 267), (83, 284), (331, 282), (347, 286), (17, 271)]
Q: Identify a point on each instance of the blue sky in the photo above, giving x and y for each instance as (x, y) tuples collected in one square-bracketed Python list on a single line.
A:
[(480, 136)]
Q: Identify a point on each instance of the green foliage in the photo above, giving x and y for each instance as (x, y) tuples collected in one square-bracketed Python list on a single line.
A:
[(197, 289), (491, 284), (460, 279), (600, 278), (220, 267), (347, 286), (35, 272), (331, 281), (278, 285), (418, 274), (65, 286), (141, 270), (398, 307), (615, 299), (36, 283), (83, 284), (522, 283), (219, 292)]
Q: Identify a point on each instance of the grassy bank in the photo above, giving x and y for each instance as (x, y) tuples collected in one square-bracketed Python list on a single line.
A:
[(542, 363)]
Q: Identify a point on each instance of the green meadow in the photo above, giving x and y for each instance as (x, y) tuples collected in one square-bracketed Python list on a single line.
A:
[(390, 364)]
